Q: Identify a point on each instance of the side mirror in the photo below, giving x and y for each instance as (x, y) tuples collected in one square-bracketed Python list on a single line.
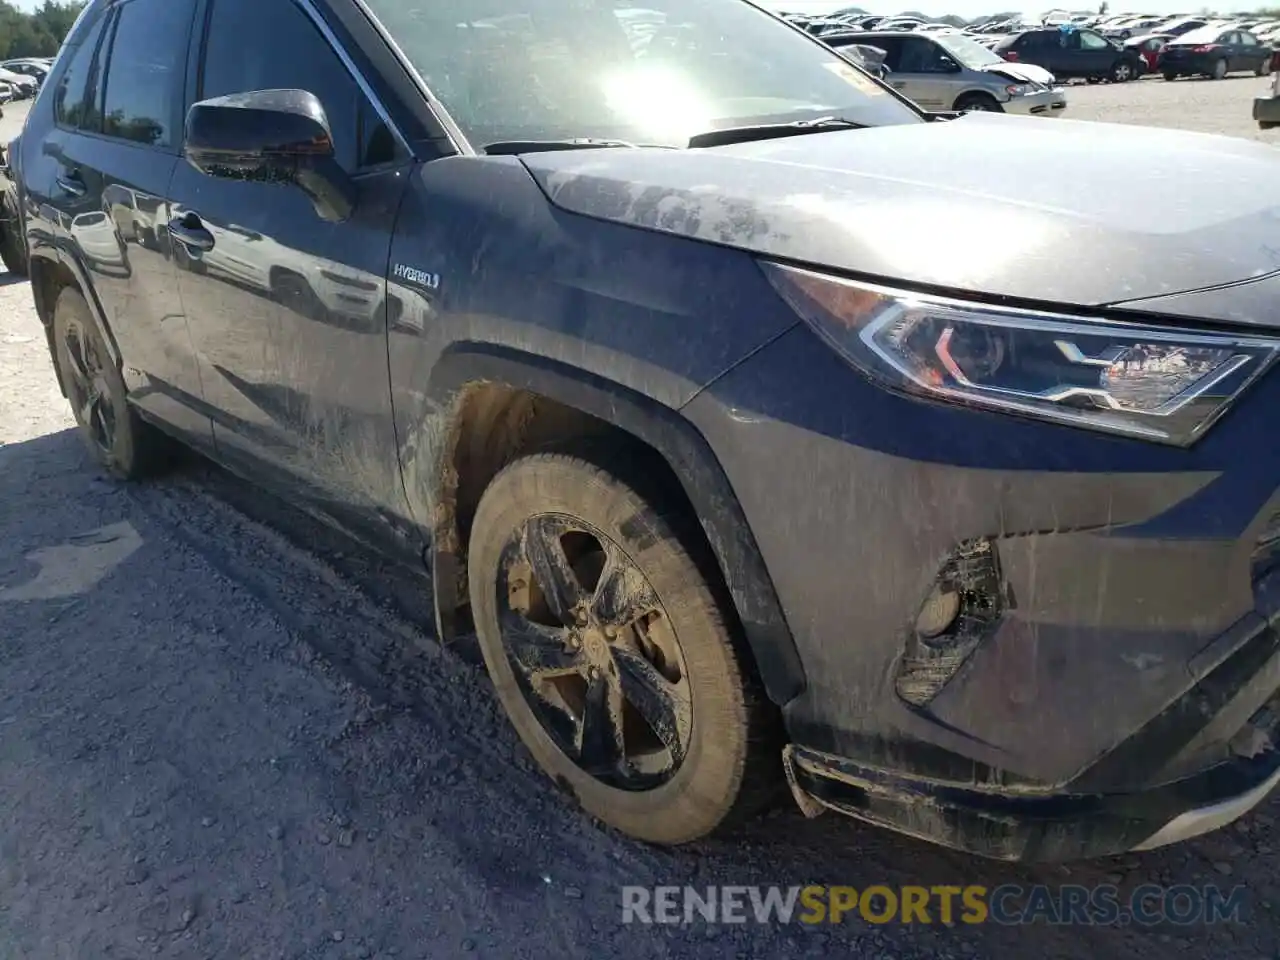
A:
[(947, 65), (271, 136)]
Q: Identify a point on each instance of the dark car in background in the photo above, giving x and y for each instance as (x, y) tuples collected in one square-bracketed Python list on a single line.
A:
[(1214, 52), (1073, 53), (769, 433)]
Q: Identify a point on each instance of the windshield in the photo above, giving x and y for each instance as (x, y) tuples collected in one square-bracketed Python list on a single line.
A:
[(612, 69), (967, 52)]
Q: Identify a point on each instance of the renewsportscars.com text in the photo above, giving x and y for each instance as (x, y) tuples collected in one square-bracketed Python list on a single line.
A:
[(1009, 904)]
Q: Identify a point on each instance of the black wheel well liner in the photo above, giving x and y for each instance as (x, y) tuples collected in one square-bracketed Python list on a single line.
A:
[(50, 274), (465, 371)]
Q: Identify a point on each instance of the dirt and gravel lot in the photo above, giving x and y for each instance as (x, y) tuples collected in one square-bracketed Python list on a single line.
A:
[(225, 734)]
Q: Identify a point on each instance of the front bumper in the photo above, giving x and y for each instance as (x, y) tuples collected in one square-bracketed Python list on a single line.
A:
[(1044, 103), (1108, 677), (1267, 109), (1056, 825)]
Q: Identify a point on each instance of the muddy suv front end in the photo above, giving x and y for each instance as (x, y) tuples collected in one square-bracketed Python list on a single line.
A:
[(1031, 564)]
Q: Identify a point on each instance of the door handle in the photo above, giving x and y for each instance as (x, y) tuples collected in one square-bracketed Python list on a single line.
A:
[(71, 183), (188, 230)]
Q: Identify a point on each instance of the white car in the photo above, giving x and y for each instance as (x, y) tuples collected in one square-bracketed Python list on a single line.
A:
[(26, 86)]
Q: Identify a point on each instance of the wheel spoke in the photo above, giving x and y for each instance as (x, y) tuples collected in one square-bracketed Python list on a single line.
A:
[(663, 704), (79, 365), (623, 594), (560, 585), (540, 651), (600, 743)]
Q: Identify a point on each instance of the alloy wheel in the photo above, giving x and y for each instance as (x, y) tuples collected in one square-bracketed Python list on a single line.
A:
[(594, 653), (87, 388)]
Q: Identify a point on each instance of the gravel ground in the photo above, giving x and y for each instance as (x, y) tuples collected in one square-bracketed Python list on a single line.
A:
[(223, 733)]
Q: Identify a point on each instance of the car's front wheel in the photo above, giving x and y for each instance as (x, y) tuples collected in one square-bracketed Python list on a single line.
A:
[(611, 653), (1263, 68), (977, 102), (117, 437), (1122, 71), (1170, 75)]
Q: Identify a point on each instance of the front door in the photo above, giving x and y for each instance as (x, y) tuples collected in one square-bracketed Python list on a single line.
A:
[(928, 75), (288, 310), (1097, 54), (106, 168)]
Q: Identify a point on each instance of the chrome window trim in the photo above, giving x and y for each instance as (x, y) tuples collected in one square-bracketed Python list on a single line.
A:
[(313, 13)]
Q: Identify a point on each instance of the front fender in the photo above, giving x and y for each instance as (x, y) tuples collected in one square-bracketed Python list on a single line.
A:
[(660, 428)]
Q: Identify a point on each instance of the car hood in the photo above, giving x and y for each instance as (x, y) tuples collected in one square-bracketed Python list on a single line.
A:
[(1064, 211), (1021, 72)]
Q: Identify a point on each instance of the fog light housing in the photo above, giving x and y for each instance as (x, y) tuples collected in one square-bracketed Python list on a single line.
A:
[(962, 609)]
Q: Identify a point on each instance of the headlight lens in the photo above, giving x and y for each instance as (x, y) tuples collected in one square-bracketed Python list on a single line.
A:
[(1160, 384), (1019, 89)]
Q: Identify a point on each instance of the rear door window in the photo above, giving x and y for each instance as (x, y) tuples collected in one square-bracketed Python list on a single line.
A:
[(145, 70), (75, 99)]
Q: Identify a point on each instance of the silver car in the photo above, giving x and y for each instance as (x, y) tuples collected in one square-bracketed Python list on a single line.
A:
[(949, 71)]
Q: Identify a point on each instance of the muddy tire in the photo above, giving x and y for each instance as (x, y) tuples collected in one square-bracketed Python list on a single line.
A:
[(124, 445), (611, 654), (13, 251)]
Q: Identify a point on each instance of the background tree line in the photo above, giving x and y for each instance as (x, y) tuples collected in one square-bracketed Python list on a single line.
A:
[(37, 34)]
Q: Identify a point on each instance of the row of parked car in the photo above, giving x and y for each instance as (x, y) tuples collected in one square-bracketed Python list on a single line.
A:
[(21, 79), (979, 71)]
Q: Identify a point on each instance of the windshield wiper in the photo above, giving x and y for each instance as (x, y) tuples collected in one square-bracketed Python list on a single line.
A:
[(505, 147), (769, 131)]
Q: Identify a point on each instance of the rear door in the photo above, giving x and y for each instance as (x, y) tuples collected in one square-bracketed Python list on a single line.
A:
[(1251, 53), (1044, 49), (106, 167), (288, 311)]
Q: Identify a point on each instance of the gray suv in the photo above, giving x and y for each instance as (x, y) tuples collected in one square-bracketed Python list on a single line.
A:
[(949, 71)]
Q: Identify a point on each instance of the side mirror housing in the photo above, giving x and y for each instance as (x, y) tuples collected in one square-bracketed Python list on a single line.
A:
[(271, 136)]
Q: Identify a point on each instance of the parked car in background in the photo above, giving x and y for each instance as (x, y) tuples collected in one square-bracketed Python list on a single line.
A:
[(13, 243), (37, 70), (1266, 108), (23, 85), (1214, 52), (1148, 47), (1129, 28), (949, 71), (1182, 25), (1072, 53)]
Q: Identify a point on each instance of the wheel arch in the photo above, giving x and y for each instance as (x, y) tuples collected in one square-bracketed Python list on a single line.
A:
[(50, 274), (491, 395)]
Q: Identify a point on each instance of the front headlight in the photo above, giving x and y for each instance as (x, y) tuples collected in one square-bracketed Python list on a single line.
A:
[(1161, 384), (1020, 89)]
